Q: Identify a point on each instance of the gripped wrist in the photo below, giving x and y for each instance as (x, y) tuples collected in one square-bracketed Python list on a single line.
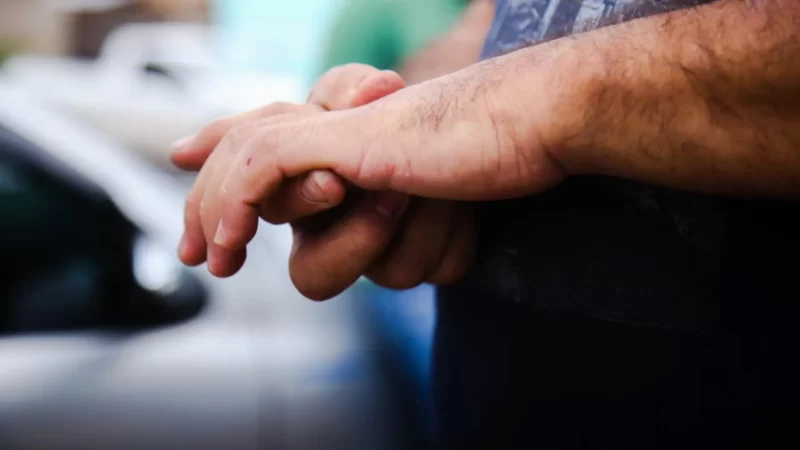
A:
[(552, 101)]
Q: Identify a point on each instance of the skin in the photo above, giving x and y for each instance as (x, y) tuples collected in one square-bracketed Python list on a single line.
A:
[(703, 99), (432, 242), (429, 244)]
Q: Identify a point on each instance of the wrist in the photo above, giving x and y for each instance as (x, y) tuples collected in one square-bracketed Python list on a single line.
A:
[(554, 101)]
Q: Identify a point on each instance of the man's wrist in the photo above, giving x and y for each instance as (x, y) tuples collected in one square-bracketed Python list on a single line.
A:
[(559, 86), (598, 97)]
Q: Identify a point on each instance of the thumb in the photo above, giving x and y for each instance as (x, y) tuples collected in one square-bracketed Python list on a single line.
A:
[(376, 86), (364, 234), (353, 85), (372, 86)]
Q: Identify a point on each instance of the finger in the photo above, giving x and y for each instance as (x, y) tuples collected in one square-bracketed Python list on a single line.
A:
[(415, 254), (236, 213), (461, 250), (336, 86), (304, 196), (257, 172), (324, 264), (244, 221), (237, 227), (322, 190), (376, 86), (192, 152), (351, 85), (223, 263), (192, 249)]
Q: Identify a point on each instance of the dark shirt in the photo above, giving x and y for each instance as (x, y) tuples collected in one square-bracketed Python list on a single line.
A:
[(607, 313)]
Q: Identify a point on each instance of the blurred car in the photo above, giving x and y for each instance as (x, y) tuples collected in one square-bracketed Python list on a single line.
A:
[(152, 84), (106, 342)]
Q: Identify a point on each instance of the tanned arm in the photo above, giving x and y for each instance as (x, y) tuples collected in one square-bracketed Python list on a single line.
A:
[(705, 99)]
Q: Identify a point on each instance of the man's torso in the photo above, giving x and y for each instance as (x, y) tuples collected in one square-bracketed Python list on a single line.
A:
[(624, 251), (607, 313)]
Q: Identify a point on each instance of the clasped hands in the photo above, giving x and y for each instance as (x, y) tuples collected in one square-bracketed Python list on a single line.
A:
[(375, 179)]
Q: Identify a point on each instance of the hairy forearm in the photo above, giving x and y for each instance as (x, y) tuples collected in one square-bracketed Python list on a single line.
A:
[(706, 99)]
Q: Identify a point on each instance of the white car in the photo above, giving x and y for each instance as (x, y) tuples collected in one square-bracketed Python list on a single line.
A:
[(106, 342)]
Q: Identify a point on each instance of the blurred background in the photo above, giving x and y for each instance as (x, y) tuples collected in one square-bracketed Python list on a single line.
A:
[(106, 341)]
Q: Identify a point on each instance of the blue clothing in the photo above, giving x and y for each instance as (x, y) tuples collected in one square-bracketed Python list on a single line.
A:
[(607, 313)]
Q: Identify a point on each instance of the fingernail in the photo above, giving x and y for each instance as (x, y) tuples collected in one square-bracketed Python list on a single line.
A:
[(391, 205), (181, 144), (313, 188), (219, 237)]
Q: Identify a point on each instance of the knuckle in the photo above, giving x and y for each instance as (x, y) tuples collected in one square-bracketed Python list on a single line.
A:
[(239, 135), (277, 108), (239, 132), (267, 137), (203, 206), (218, 128), (192, 203)]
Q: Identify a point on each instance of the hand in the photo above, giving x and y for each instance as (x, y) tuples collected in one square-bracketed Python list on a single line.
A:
[(395, 244), (343, 87), (435, 243), (446, 143), (440, 139)]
